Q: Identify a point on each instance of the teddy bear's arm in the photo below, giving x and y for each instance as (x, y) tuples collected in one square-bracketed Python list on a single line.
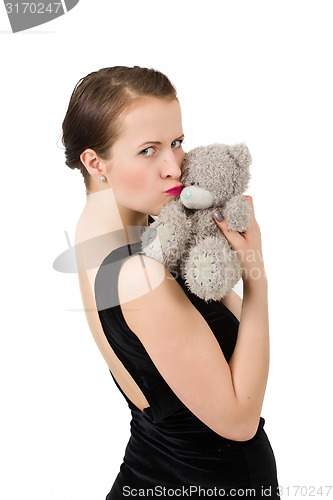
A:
[(237, 213), (166, 238)]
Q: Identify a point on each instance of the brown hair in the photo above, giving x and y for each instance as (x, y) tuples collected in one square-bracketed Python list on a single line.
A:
[(98, 100)]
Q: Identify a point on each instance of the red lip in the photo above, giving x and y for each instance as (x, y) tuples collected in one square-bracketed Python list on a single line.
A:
[(175, 191)]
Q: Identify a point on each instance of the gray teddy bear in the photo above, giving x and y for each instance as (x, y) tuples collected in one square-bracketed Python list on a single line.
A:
[(185, 237)]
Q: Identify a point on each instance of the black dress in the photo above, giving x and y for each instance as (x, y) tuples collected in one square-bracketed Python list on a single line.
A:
[(171, 453)]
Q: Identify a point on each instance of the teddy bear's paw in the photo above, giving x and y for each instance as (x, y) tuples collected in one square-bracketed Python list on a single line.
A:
[(203, 269), (151, 244), (174, 239), (155, 240), (164, 234), (212, 269)]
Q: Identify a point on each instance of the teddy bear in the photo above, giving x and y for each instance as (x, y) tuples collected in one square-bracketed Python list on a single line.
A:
[(185, 237)]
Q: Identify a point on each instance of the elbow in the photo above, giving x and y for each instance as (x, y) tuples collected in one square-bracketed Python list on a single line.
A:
[(245, 434), (242, 431)]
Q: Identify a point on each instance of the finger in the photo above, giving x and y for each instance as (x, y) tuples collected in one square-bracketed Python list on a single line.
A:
[(249, 201), (233, 237)]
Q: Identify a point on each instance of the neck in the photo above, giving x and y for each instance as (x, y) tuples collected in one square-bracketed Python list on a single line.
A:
[(107, 215)]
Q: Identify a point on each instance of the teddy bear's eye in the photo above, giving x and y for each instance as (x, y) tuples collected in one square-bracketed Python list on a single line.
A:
[(192, 183)]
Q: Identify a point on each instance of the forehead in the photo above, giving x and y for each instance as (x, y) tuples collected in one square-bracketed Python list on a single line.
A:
[(151, 115)]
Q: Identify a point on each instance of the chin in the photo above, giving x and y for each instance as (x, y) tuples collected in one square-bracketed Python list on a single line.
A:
[(154, 211)]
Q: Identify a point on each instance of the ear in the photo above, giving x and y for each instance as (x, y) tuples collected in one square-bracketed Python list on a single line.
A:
[(241, 154), (92, 163)]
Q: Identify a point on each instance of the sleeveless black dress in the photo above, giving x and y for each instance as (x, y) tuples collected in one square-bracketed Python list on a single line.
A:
[(171, 453)]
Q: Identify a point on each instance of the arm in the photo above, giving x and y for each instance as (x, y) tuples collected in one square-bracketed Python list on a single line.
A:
[(249, 363), (234, 303), (186, 352)]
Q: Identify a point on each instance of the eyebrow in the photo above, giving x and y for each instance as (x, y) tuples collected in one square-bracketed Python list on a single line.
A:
[(158, 142)]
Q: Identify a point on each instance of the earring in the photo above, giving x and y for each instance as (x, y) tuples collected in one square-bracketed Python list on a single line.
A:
[(102, 178)]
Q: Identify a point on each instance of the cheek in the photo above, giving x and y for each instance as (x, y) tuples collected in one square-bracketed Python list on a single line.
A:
[(136, 182), (132, 181)]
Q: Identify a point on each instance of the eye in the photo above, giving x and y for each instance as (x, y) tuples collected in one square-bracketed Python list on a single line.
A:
[(180, 142), (147, 149)]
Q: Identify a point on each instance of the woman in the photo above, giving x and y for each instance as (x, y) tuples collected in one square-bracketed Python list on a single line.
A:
[(193, 373)]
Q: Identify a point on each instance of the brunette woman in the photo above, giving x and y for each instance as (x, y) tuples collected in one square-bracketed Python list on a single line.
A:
[(193, 373)]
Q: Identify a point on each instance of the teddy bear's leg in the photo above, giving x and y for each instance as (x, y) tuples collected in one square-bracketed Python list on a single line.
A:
[(165, 239), (212, 268)]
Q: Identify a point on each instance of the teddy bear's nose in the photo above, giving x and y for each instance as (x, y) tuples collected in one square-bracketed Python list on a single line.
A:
[(187, 194), (196, 197)]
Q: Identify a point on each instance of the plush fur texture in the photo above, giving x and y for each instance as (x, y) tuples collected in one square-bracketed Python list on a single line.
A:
[(185, 237)]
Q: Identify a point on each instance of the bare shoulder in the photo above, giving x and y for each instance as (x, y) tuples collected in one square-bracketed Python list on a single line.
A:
[(140, 275)]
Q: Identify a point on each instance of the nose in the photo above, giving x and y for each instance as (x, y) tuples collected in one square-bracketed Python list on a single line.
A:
[(171, 166)]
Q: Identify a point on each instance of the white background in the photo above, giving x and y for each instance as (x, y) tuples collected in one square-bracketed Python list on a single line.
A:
[(253, 71)]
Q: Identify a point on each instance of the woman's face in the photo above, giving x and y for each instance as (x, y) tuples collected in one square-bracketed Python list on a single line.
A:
[(147, 157)]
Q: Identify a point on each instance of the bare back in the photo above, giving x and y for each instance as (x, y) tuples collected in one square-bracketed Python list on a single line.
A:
[(92, 245)]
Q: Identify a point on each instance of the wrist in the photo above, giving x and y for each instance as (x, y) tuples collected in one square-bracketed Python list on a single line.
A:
[(255, 278)]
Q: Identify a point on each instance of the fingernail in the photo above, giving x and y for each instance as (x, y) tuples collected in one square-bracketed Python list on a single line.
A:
[(218, 216)]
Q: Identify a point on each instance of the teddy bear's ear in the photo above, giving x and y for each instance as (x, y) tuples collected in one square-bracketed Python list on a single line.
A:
[(241, 154)]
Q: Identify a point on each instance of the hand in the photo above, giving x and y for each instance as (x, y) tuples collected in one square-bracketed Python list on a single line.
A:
[(247, 245)]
